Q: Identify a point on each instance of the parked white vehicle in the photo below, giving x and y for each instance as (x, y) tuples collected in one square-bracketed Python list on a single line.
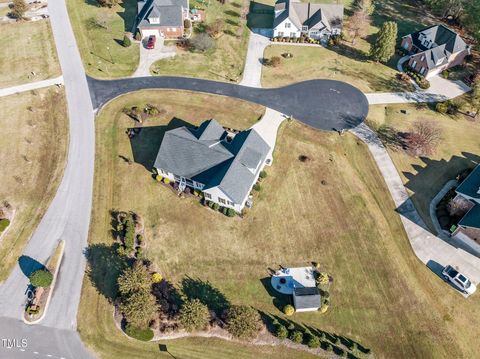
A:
[(460, 281)]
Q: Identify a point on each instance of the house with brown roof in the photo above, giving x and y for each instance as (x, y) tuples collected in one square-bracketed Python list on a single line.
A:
[(434, 49), (317, 21)]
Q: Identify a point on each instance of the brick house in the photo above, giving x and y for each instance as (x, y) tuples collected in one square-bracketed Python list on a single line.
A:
[(162, 18), (434, 49)]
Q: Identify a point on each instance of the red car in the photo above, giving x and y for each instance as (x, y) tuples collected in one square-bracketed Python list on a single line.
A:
[(151, 42)]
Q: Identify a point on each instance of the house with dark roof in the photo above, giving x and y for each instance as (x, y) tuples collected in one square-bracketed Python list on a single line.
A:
[(434, 49), (221, 164), (469, 224), (317, 21), (162, 18)]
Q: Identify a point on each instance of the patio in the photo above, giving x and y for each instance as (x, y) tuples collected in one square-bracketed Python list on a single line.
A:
[(287, 279)]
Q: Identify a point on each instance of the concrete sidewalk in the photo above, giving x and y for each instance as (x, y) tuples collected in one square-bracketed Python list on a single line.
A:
[(431, 250), (31, 86)]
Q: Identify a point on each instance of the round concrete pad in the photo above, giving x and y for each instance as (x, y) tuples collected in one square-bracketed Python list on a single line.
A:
[(323, 104)]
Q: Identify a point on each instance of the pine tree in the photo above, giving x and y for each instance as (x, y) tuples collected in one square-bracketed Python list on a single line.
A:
[(368, 6), (384, 47)]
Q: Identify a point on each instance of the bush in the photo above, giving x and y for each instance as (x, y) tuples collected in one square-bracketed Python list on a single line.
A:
[(445, 74), (4, 223), (330, 42), (243, 321), (275, 61), (166, 181), (194, 315), (323, 279), (291, 326), (288, 309), (263, 174), (41, 278), (126, 41), (296, 336), (323, 308), (107, 3), (257, 187), (313, 342), (329, 347), (156, 277), (442, 107), (140, 334), (281, 331), (229, 212), (129, 234), (140, 239), (215, 206), (138, 36)]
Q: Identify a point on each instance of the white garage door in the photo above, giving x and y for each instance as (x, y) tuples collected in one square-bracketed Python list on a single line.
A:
[(148, 32)]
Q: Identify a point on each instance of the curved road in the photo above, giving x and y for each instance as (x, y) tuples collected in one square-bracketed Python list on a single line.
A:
[(322, 104)]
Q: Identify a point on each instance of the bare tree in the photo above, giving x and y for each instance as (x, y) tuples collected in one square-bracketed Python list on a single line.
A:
[(423, 138), (215, 28), (358, 24)]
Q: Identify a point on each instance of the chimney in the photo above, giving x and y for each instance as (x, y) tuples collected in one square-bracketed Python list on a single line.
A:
[(308, 13)]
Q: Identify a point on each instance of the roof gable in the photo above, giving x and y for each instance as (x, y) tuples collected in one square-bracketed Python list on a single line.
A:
[(470, 187)]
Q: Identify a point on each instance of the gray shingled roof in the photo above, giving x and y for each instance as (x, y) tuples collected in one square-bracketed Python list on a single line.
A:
[(205, 155), (169, 12), (315, 16), (471, 185), (308, 297), (471, 218)]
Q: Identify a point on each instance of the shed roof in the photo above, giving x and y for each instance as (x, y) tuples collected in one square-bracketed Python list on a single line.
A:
[(307, 297)]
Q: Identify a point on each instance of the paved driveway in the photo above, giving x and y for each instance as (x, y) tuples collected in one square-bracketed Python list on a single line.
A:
[(322, 104), (148, 57), (252, 71)]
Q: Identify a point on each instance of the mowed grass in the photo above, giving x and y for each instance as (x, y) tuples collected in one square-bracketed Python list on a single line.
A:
[(34, 144), (27, 47), (320, 63), (382, 296), (226, 60), (425, 176), (100, 46)]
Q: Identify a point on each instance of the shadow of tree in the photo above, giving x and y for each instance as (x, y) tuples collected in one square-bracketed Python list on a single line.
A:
[(168, 297), (28, 265), (279, 300), (104, 268), (145, 145), (206, 293)]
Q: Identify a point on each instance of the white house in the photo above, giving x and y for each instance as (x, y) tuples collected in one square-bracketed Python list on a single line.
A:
[(224, 166), (318, 21)]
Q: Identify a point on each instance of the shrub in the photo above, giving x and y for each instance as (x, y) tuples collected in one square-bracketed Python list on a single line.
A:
[(441, 107), (41, 278), (126, 41), (331, 42), (296, 336), (215, 206), (243, 321), (323, 278), (140, 334), (156, 277), (194, 315), (263, 174), (329, 347), (323, 308), (338, 341), (257, 187), (166, 181), (4, 223), (291, 326), (275, 61), (288, 310), (313, 342), (445, 74), (140, 239), (281, 331), (230, 212), (129, 234), (138, 36), (107, 3)]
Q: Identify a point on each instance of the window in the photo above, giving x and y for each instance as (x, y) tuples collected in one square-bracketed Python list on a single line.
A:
[(422, 70), (280, 34), (414, 63), (422, 58), (287, 25), (293, 34), (304, 28), (207, 195), (221, 200), (154, 20)]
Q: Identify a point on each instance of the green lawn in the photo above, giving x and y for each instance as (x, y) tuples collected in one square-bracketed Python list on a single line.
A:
[(382, 296), (34, 142), (27, 47), (226, 60), (100, 46), (425, 176)]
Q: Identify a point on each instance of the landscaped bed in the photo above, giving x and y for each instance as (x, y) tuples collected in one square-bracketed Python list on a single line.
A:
[(329, 204)]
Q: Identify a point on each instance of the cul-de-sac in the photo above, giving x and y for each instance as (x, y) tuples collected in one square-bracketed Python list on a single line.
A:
[(203, 179)]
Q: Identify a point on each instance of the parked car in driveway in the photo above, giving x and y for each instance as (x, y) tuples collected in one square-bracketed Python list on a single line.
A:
[(151, 42), (460, 281)]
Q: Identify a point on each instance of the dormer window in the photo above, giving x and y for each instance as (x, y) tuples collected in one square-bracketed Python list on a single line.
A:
[(422, 58), (154, 20), (304, 28)]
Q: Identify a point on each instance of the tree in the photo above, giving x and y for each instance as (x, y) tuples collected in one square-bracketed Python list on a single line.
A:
[(358, 24), (281, 331), (194, 315), (384, 47), (423, 138), (139, 308), (475, 97), (19, 8), (126, 41), (201, 42), (107, 3), (41, 278), (368, 6), (243, 321), (134, 279)]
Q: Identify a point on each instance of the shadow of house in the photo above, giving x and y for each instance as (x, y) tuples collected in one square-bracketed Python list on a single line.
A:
[(129, 14), (260, 16), (206, 293), (104, 268), (146, 143), (279, 300), (28, 265)]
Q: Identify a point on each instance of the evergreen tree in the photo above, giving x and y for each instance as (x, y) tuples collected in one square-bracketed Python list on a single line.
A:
[(384, 47)]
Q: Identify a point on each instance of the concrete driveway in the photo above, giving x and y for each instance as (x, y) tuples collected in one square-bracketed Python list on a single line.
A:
[(149, 57), (252, 71)]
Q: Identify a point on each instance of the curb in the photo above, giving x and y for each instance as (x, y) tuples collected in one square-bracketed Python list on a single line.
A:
[(62, 243)]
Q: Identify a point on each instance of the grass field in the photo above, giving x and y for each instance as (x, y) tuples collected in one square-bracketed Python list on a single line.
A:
[(32, 166), (226, 60), (382, 296), (99, 32), (27, 47), (425, 176)]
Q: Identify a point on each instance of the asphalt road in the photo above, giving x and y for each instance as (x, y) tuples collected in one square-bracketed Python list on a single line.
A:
[(322, 104)]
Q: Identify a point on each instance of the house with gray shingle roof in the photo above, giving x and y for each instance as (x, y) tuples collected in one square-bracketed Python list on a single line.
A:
[(162, 18), (434, 49), (317, 21), (223, 165), (469, 189)]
